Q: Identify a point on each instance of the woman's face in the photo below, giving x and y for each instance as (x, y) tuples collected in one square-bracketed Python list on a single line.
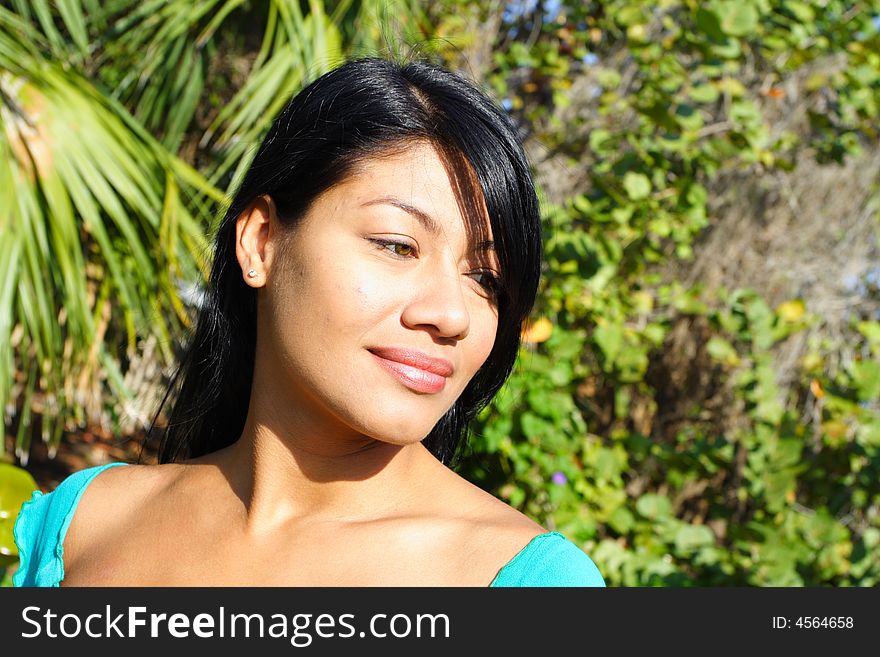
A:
[(378, 307)]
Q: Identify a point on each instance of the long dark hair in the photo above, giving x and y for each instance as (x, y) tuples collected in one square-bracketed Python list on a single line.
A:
[(362, 109)]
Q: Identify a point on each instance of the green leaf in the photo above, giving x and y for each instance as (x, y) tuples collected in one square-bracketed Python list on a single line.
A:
[(621, 520), (632, 362), (16, 487), (866, 374), (688, 302), (709, 22), (722, 351), (729, 48), (656, 333), (72, 15), (608, 78), (802, 11), (607, 464), (654, 506), (869, 434), (689, 538), (738, 17), (560, 374), (609, 337), (533, 426), (688, 117), (622, 399), (871, 330), (637, 185), (601, 141), (703, 93), (631, 15)]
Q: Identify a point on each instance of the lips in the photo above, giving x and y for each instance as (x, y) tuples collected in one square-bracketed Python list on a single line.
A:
[(415, 369)]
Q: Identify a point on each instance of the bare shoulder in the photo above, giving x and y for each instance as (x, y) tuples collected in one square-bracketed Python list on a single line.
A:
[(118, 487), (110, 501), (495, 531)]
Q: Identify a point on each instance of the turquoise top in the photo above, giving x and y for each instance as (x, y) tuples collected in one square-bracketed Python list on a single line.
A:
[(549, 559)]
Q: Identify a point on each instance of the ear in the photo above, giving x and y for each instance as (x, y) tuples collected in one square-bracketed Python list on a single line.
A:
[(254, 230)]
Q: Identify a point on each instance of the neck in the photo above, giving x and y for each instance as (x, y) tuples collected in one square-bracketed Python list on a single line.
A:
[(285, 476)]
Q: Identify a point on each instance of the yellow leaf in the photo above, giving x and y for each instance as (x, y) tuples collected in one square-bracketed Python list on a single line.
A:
[(643, 302), (537, 331), (835, 430), (636, 32), (816, 81), (730, 86), (791, 311), (812, 362)]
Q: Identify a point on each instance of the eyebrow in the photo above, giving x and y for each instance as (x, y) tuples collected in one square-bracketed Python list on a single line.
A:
[(427, 221)]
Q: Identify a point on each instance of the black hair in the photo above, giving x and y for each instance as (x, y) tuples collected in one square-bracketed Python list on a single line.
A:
[(365, 108)]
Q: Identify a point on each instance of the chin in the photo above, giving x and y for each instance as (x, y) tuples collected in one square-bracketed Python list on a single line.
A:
[(402, 433), (401, 426)]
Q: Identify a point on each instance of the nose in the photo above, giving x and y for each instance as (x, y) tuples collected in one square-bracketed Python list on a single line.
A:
[(438, 302)]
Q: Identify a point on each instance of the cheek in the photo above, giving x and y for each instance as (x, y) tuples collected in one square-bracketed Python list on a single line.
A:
[(332, 293), (365, 301), (484, 328), (369, 296)]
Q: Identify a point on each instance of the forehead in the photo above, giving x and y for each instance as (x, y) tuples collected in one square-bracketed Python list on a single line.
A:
[(436, 187)]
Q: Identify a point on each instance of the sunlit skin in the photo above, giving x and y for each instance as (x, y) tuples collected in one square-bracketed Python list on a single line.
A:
[(329, 483), (360, 272)]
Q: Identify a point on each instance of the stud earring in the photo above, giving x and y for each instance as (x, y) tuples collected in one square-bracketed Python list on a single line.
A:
[(252, 273)]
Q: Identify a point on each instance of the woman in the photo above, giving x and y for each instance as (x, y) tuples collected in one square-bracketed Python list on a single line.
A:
[(368, 288)]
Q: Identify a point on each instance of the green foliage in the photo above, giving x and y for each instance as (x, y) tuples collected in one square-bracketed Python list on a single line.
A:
[(702, 470), (104, 114), (698, 471), (16, 487), (98, 222)]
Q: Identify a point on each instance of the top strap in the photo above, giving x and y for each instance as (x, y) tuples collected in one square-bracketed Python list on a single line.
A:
[(41, 526), (549, 560)]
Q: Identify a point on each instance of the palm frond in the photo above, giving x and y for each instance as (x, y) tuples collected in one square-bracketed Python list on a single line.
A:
[(101, 223), (97, 228)]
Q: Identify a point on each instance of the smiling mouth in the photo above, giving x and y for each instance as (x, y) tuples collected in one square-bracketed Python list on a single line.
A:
[(415, 377)]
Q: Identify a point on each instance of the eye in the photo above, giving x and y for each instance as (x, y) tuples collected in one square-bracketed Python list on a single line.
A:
[(488, 281), (397, 248)]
